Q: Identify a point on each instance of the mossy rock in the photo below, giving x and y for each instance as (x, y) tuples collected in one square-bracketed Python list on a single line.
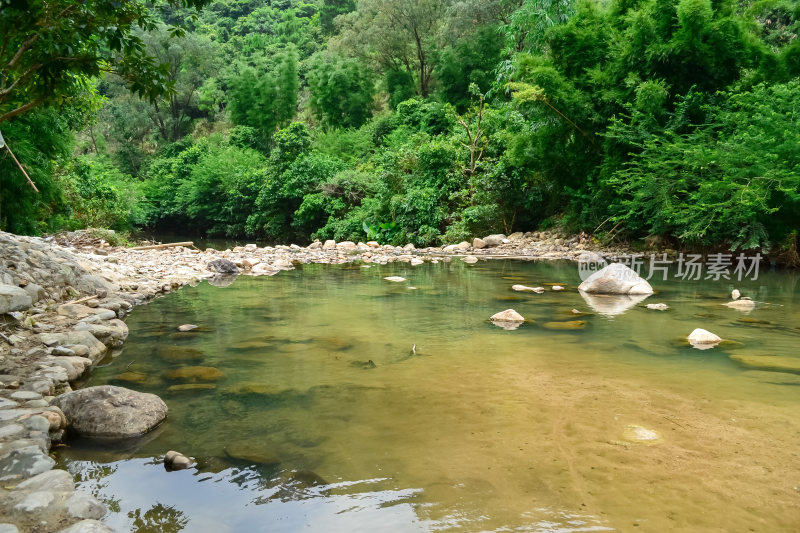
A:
[(252, 452), (774, 363), (203, 373), (251, 388), (569, 325), (364, 365), (749, 320), (181, 354), (132, 377), (191, 387)]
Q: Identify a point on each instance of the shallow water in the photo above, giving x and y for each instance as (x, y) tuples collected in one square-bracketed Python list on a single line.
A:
[(325, 420)]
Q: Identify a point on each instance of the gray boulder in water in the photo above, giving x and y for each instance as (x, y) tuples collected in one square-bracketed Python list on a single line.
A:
[(110, 412), (616, 278), (223, 266)]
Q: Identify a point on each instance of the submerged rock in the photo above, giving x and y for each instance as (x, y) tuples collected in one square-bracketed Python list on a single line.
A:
[(616, 278), (205, 373), (640, 435), (180, 353), (396, 279), (364, 365), (569, 325), (191, 387), (252, 452), (658, 307), (251, 387), (769, 362), (187, 327), (111, 412)]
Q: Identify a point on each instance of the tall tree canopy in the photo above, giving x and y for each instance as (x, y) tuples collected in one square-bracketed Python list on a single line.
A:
[(50, 48)]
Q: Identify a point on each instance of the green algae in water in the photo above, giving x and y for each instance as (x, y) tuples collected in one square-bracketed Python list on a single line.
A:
[(478, 429)]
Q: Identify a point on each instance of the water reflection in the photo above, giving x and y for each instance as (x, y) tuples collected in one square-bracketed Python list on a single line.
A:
[(330, 399), (611, 305)]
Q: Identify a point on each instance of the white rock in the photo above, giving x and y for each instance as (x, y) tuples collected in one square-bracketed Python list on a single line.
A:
[(509, 315), (735, 294), (396, 279), (330, 244), (524, 288), (658, 307), (744, 304), (470, 259), (494, 240), (478, 243), (616, 278), (416, 261), (702, 336), (557, 288)]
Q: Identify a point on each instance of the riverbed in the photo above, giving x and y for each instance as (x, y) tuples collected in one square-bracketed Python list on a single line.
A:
[(334, 400)]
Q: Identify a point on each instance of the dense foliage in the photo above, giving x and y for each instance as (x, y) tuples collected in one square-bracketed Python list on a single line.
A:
[(425, 121)]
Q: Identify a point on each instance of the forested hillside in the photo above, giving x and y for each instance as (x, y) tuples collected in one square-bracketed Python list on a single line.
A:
[(422, 121)]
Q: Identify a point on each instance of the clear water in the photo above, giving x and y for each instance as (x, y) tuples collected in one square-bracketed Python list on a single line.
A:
[(481, 429)]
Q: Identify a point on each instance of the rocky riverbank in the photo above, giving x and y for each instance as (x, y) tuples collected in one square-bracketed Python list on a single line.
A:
[(61, 311)]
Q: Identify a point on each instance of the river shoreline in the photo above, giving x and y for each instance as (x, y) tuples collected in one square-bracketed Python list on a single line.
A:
[(63, 315)]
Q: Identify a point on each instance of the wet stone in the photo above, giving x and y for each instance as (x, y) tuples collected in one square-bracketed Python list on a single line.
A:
[(25, 395)]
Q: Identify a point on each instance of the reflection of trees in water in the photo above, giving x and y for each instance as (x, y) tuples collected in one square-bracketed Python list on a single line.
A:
[(85, 471), (158, 519)]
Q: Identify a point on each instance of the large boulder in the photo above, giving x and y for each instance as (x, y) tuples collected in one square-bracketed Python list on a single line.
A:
[(493, 240), (13, 299), (110, 412), (223, 266), (616, 278)]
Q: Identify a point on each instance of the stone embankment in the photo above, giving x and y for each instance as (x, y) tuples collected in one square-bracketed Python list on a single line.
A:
[(60, 314)]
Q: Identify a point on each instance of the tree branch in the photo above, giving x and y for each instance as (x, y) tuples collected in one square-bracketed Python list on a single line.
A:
[(22, 48), (21, 109)]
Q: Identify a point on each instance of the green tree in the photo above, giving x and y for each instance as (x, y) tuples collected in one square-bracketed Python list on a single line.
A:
[(330, 10), (191, 62), (399, 35), (342, 91), (266, 99), (50, 48)]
